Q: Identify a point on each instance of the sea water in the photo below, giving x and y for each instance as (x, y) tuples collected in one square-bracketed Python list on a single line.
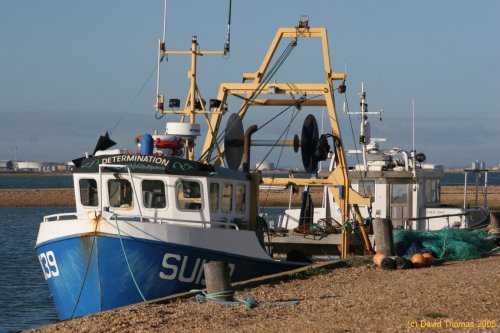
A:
[(35, 181), (25, 300), (66, 181)]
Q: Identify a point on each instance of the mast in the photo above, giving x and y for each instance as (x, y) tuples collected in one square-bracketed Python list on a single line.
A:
[(365, 132)]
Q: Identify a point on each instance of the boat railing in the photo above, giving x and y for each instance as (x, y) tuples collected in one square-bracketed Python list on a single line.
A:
[(407, 221), (64, 217), (220, 223)]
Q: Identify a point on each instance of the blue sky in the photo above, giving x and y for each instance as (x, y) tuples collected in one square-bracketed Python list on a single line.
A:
[(70, 70)]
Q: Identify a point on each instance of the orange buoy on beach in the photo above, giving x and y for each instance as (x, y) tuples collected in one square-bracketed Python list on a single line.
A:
[(428, 258), (417, 259), (377, 258)]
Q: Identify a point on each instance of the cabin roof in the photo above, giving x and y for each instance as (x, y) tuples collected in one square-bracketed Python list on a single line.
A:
[(155, 165)]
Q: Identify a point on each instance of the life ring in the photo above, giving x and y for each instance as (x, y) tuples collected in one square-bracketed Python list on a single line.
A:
[(168, 141), (168, 144), (164, 141), (167, 152)]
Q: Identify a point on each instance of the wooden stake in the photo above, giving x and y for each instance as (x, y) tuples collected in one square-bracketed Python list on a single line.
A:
[(217, 278), (384, 241)]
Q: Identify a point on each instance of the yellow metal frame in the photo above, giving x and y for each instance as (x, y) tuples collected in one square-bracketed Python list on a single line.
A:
[(339, 178), (190, 110)]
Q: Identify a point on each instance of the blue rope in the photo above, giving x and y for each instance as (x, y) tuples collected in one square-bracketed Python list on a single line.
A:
[(249, 301), (126, 259)]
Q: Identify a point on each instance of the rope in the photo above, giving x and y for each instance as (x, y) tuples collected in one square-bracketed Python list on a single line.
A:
[(285, 132), (86, 272), (249, 301), (266, 78), (126, 259)]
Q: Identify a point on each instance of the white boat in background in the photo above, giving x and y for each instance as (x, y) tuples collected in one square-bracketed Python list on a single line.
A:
[(404, 188)]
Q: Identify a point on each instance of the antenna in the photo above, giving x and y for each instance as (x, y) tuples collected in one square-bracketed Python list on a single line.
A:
[(164, 21), (227, 45), (160, 98), (413, 152)]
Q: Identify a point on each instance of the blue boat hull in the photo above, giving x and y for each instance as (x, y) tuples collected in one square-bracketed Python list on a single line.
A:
[(90, 274)]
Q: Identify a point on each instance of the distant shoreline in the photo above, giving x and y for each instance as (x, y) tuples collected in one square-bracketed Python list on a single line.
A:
[(64, 197), (41, 174)]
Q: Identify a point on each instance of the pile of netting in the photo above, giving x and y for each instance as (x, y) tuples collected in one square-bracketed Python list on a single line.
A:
[(447, 244)]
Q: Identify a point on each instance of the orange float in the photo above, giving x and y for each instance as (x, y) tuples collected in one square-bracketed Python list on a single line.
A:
[(428, 258), (417, 260), (377, 258)]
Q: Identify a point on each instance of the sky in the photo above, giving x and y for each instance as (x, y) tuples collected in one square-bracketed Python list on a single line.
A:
[(72, 70)]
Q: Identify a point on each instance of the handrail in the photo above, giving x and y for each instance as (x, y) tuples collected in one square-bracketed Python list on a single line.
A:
[(48, 218), (434, 217), (427, 219), (142, 218), (160, 220)]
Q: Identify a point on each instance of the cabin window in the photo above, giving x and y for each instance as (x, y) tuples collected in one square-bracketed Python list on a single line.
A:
[(214, 197), (240, 198), (153, 194), (227, 198), (88, 192), (399, 193), (432, 191), (120, 193), (366, 188), (188, 195)]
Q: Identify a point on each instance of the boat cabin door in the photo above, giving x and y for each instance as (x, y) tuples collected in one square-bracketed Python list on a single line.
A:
[(400, 195)]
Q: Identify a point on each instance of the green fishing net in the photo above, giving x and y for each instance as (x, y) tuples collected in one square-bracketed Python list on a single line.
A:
[(448, 243)]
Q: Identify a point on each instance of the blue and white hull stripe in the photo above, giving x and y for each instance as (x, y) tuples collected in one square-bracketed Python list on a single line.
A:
[(94, 271)]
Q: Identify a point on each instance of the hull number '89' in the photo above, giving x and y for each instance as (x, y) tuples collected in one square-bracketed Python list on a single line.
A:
[(181, 268), (49, 264)]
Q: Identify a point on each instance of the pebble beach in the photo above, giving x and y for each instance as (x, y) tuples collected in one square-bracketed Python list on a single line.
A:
[(460, 296), (450, 195)]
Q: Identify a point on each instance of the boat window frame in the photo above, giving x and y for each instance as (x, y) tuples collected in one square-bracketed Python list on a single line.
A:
[(214, 197), (199, 205), (163, 193), (399, 202), (362, 186), (225, 196), (95, 192), (240, 205), (126, 202), (432, 190)]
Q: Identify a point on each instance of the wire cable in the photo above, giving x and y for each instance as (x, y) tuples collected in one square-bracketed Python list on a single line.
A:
[(127, 109)]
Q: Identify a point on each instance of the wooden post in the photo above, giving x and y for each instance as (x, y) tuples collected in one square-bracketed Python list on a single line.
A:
[(494, 220), (217, 278), (384, 241)]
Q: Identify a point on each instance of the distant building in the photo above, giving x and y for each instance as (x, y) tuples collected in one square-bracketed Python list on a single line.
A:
[(33, 166), (265, 166), (6, 165)]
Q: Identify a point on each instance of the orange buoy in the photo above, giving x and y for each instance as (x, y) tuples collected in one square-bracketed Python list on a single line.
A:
[(417, 260), (428, 258), (377, 258)]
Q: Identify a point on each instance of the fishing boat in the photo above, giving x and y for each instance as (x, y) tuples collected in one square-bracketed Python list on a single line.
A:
[(146, 221)]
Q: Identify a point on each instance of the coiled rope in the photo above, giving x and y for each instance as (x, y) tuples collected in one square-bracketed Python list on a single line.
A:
[(250, 302)]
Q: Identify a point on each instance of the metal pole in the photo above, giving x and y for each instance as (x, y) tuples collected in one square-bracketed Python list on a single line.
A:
[(465, 190), (485, 188)]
